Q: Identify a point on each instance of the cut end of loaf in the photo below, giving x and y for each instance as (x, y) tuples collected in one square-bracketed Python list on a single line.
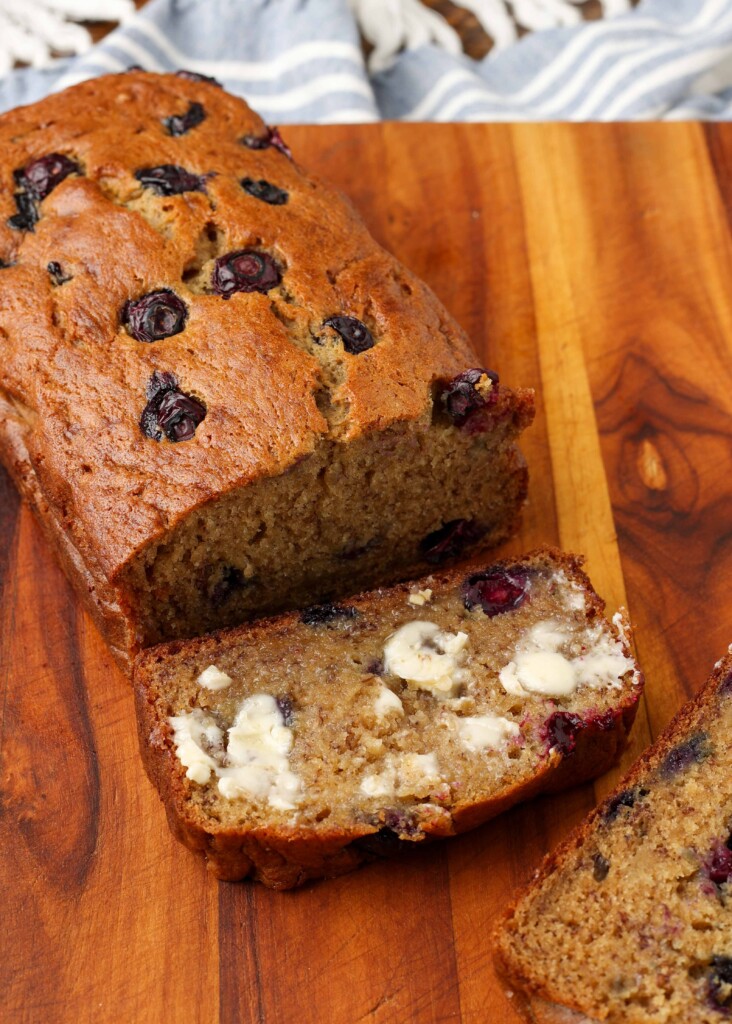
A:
[(382, 508)]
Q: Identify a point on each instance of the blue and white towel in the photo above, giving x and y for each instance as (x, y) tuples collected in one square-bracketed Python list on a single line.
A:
[(302, 61)]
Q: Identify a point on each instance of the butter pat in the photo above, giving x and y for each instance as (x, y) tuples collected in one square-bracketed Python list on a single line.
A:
[(404, 775), (258, 752), (255, 764), (386, 702), (426, 656), (191, 733), (485, 732), (538, 665), (539, 672), (213, 679)]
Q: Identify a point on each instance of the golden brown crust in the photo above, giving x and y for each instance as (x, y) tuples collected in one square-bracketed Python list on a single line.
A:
[(284, 858), (682, 725), (72, 382)]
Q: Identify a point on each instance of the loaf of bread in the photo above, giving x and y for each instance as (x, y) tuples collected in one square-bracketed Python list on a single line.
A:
[(630, 920), (219, 394), (297, 747)]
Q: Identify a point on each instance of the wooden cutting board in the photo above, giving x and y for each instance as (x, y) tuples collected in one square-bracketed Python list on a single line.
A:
[(593, 263)]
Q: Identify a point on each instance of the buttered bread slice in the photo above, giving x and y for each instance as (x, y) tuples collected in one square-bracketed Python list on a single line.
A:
[(300, 746)]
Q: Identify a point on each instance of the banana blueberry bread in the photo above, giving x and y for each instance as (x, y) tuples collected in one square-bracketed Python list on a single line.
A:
[(297, 747), (630, 920), (220, 395)]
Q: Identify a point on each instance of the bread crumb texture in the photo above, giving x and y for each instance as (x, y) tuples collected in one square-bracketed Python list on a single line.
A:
[(378, 722)]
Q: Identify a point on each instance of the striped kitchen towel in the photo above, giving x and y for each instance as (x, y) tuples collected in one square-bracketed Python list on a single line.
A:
[(302, 61)]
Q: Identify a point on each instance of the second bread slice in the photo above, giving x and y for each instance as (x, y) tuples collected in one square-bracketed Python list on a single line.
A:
[(300, 746)]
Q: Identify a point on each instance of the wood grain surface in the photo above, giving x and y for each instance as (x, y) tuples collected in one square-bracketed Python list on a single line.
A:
[(591, 262)]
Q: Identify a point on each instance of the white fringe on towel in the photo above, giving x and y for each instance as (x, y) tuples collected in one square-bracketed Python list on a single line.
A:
[(395, 25), (32, 30)]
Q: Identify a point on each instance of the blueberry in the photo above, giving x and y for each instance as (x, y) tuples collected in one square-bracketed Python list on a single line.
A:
[(324, 614), (627, 798), (720, 982), (355, 335), (450, 540), (468, 393), (601, 867), (383, 843), (561, 731), (719, 862), (41, 176), (287, 710), (271, 137), (685, 755), (263, 190), (170, 180), (246, 270), (230, 581), (55, 272), (496, 590), (27, 216), (4, 265), (154, 316), (179, 124), (196, 76), (169, 410), (725, 687)]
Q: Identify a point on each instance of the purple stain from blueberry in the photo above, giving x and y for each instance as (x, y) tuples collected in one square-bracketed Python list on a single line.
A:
[(170, 412), (601, 867), (720, 982), (718, 864), (231, 581), (246, 270), (265, 191), (287, 710), (402, 823), (497, 590), (271, 137), (451, 540), (56, 273), (685, 755), (626, 798), (325, 614), (355, 335), (466, 397), (725, 687), (561, 731), (181, 124), (196, 76), (157, 315), (170, 180)]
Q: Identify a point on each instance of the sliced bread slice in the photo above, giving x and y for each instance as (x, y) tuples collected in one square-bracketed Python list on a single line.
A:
[(299, 746), (630, 920)]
